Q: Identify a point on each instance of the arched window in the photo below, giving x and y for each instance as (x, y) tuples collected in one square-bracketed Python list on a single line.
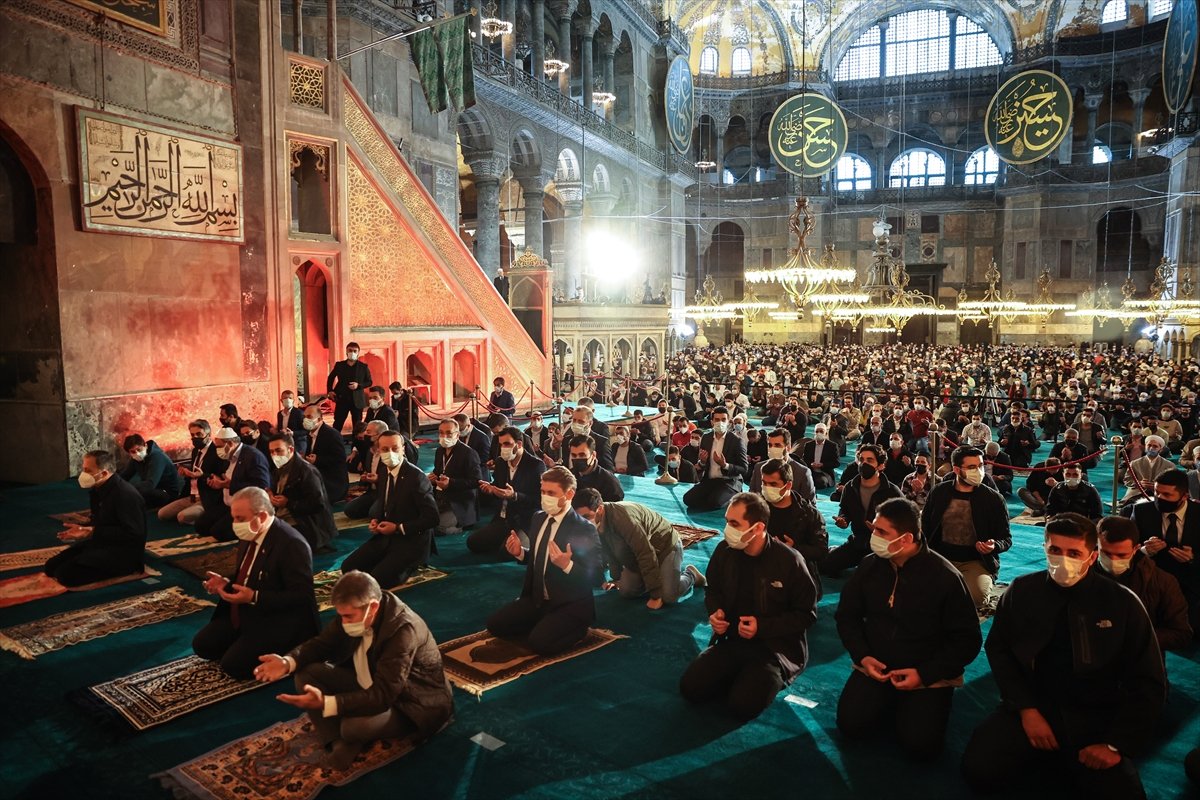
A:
[(852, 174), (1114, 11), (918, 167), (1101, 154), (1160, 8), (916, 42), (741, 61), (708, 61), (983, 167)]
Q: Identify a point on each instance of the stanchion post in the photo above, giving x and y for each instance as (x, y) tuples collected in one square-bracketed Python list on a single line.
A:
[(1117, 443), (412, 407), (530, 399), (475, 403)]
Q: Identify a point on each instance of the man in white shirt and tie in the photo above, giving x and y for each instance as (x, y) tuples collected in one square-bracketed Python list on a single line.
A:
[(722, 465), (1170, 532), (563, 565)]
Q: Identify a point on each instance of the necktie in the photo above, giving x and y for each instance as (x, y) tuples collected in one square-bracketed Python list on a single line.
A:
[(1172, 530), (387, 491), (240, 580), (541, 553)]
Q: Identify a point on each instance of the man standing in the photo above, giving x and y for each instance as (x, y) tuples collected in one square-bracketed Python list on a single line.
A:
[(374, 672), (761, 601), (455, 480), (114, 544), (402, 519), (347, 382), (327, 452), (1170, 533), (721, 466), (642, 551), (861, 496), (268, 604), (562, 564), (1079, 672), (909, 625), (1122, 560), (298, 494)]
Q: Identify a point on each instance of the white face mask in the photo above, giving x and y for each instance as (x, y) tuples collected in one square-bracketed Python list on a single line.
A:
[(448, 441), (775, 452), (288, 402), (279, 461), (819, 436), (1065, 571), (551, 505), (139, 454), (507, 453), (896, 444), (310, 423), (1115, 566), (535, 425), (881, 547), (243, 531), (973, 476), (352, 355), (86, 480), (1073, 482), (673, 463), (620, 439), (375, 403), (391, 459), (736, 539), (720, 427), (773, 494), (581, 428), (357, 629), (695, 442)]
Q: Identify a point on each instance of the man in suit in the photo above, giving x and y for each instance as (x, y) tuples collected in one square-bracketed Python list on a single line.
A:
[(378, 409), (404, 404), (721, 466), (502, 400), (455, 480), (563, 565), (588, 472), (267, 605), (477, 439), (402, 519), (779, 446), (150, 471), (761, 601), (821, 456), (584, 423), (642, 551), (1170, 532), (347, 382), (515, 485), (326, 452), (628, 456), (290, 419), (244, 467), (1122, 560), (195, 494), (298, 494), (1142, 475), (115, 541), (374, 672), (496, 423), (360, 507)]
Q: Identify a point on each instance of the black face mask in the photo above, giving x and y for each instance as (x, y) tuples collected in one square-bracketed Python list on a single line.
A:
[(1166, 506), (867, 471), (579, 465), (922, 469), (247, 439), (198, 442)]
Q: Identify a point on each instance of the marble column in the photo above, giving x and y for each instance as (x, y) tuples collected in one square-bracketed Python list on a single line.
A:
[(585, 68), (534, 196), (473, 20), (1092, 102), (572, 197), (1139, 97), (563, 12), (720, 157), (508, 42), (487, 172), (537, 36)]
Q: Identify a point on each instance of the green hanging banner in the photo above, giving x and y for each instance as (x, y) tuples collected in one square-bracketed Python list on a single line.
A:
[(1029, 116), (679, 100), (807, 135), (1179, 55)]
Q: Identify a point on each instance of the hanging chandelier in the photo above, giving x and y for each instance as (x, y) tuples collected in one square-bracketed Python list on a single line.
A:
[(1044, 306), (802, 276), (993, 305), (1098, 306), (600, 95), (709, 306), (553, 66), (491, 25), (1168, 297)]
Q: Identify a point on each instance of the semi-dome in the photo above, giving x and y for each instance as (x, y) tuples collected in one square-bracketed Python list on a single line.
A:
[(735, 38)]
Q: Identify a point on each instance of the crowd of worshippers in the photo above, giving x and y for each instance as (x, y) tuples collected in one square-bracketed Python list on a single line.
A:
[(1076, 649)]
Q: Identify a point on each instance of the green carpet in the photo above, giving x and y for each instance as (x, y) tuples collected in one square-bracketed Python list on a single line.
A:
[(610, 724)]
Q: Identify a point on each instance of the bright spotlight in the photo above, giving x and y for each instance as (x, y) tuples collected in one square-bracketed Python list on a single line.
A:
[(611, 259)]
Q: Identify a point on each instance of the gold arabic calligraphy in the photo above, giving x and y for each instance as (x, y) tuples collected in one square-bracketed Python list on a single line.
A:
[(1027, 118), (808, 132), (680, 108)]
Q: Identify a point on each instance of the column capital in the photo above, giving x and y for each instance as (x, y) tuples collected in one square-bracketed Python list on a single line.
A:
[(560, 8), (486, 167), (584, 28), (1139, 96), (1092, 101), (534, 181)]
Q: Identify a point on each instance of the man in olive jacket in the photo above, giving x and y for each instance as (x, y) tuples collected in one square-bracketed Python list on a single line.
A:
[(374, 672), (642, 551)]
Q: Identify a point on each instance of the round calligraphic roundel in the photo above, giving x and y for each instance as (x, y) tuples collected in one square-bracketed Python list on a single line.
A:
[(1029, 116), (807, 135), (1179, 55), (679, 100)]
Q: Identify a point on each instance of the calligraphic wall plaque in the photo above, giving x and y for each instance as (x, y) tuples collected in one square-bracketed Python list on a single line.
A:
[(679, 99), (147, 180), (807, 135), (1029, 116), (149, 15), (1179, 55)]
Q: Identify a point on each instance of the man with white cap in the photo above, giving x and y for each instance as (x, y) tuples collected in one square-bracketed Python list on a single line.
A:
[(246, 466), (1139, 477)]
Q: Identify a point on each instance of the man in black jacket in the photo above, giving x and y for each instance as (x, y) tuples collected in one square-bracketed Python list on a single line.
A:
[(374, 672), (196, 494), (115, 541), (242, 467), (348, 382), (326, 452), (1170, 533), (967, 523), (1019, 439), (298, 494), (455, 480), (150, 471), (1074, 495), (588, 472), (721, 466), (516, 485), (860, 497), (378, 408), (402, 519), (761, 601), (290, 419), (908, 623), (628, 456), (405, 406), (795, 520), (1079, 672)]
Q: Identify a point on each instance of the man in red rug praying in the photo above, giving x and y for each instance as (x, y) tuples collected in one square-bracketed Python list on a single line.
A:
[(761, 600), (268, 604), (374, 672)]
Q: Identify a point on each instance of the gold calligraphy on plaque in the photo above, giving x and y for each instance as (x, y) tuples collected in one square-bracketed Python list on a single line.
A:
[(1028, 117), (145, 180), (807, 135), (149, 15)]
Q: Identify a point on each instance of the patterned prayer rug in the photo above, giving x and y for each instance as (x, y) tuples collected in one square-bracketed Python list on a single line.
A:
[(82, 625), (1026, 517), (480, 661), (221, 561), (691, 535), (323, 583), (27, 559), (282, 762), (343, 522), (160, 694), (356, 490), (39, 586), (81, 517), (183, 545)]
